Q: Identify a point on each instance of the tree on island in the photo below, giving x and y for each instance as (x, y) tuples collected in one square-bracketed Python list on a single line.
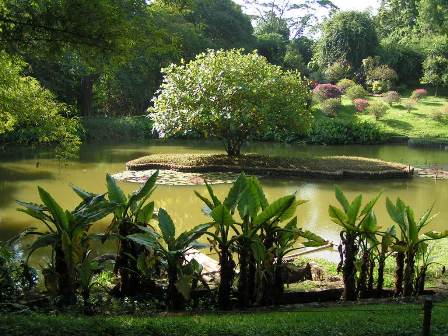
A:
[(231, 96)]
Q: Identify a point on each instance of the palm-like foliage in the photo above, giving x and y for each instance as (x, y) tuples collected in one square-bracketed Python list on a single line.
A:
[(130, 212), (355, 223), (411, 236), (258, 237), (172, 251), (67, 235)]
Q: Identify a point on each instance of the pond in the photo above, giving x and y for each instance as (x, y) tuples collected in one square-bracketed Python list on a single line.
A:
[(22, 170)]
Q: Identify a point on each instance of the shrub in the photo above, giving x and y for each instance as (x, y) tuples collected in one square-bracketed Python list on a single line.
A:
[(337, 71), (409, 104), (391, 97), (419, 94), (330, 106), (361, 104), (377, 109), (326, 91), (356, 92), (231, 96), (441, 115), (117, 129), (380, 86), (340, 132), (344, 84)]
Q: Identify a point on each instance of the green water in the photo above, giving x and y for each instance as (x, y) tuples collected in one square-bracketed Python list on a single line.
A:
[(22, 170)]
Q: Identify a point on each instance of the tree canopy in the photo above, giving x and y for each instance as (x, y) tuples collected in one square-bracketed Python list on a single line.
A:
[(231, 96)]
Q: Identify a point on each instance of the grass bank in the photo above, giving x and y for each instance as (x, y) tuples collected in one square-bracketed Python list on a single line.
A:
[(117, 129), (374, 319), (325, 167), (419, 122)]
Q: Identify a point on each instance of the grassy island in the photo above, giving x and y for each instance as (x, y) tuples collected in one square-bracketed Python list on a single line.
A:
[(324, 167)]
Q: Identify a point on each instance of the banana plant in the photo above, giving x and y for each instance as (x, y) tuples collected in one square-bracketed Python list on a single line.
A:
[(67, 235), (259, 236), (130, 212), (289, 239), (425, 258), (172, 251), (353, 221), (411, 237), (381, 251)]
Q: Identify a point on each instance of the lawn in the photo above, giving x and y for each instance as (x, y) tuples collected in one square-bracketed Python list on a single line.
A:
[(418, 123), (372, 319)]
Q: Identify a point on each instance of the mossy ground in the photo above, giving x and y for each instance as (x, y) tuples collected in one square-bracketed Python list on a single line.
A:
[(253, 163)]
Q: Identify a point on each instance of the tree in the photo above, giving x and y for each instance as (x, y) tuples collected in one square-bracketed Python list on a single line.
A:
[(231, 96), (347, 36), (299, 15), (397, 16), (435, 71), (30, 114)]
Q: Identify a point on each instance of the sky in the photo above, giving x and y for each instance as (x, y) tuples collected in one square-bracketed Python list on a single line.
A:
[(348, 4)]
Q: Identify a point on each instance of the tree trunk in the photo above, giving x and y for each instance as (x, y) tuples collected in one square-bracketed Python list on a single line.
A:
[(130, 282), (279, 287), (362, 281), (420, 282), (348, 268), (175, 300), (380, 279), (233, 147), (409, 274), (399, 273), (66, 283), (226, 275), (252, 283), (243, 282), (371, 275), (86, 94)]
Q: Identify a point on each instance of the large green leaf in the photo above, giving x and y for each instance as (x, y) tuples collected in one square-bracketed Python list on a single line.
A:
[(215, 199), (84, 195), (43, 240), (394, 212), (145, 190), (369, 206), (313, 240), (353, 210), (54, 208), (222, 216), (342, 199), (146, 213), (281, 208), (167, 227), (436, 235), (115, 193), (144, 239), (235, 191), (249, 203), (337, 216)]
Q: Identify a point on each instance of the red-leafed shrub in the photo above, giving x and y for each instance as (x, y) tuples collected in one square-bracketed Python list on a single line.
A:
[(419, 94), (326, 91), (361, 104)]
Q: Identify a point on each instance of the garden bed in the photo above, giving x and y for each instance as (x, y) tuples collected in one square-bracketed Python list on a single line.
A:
[(334, 167)]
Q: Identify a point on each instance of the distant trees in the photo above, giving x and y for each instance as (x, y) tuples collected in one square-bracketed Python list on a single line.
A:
[(30, 114), (231, 96), (347, 36)]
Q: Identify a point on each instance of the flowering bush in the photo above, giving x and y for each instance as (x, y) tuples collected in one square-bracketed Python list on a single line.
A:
[(441, 115), (391, 97), (356, 92), (409, 104), (330, 106), (326, 91), (380, 86), (377, 109), (419, 94), (361, 104), (345, 84)]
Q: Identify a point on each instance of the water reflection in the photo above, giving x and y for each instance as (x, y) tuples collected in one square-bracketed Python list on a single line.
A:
[(19, 177)]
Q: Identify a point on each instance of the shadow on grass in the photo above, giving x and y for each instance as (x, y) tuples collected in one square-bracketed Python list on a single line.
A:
[(433, 103), (398, 124)]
